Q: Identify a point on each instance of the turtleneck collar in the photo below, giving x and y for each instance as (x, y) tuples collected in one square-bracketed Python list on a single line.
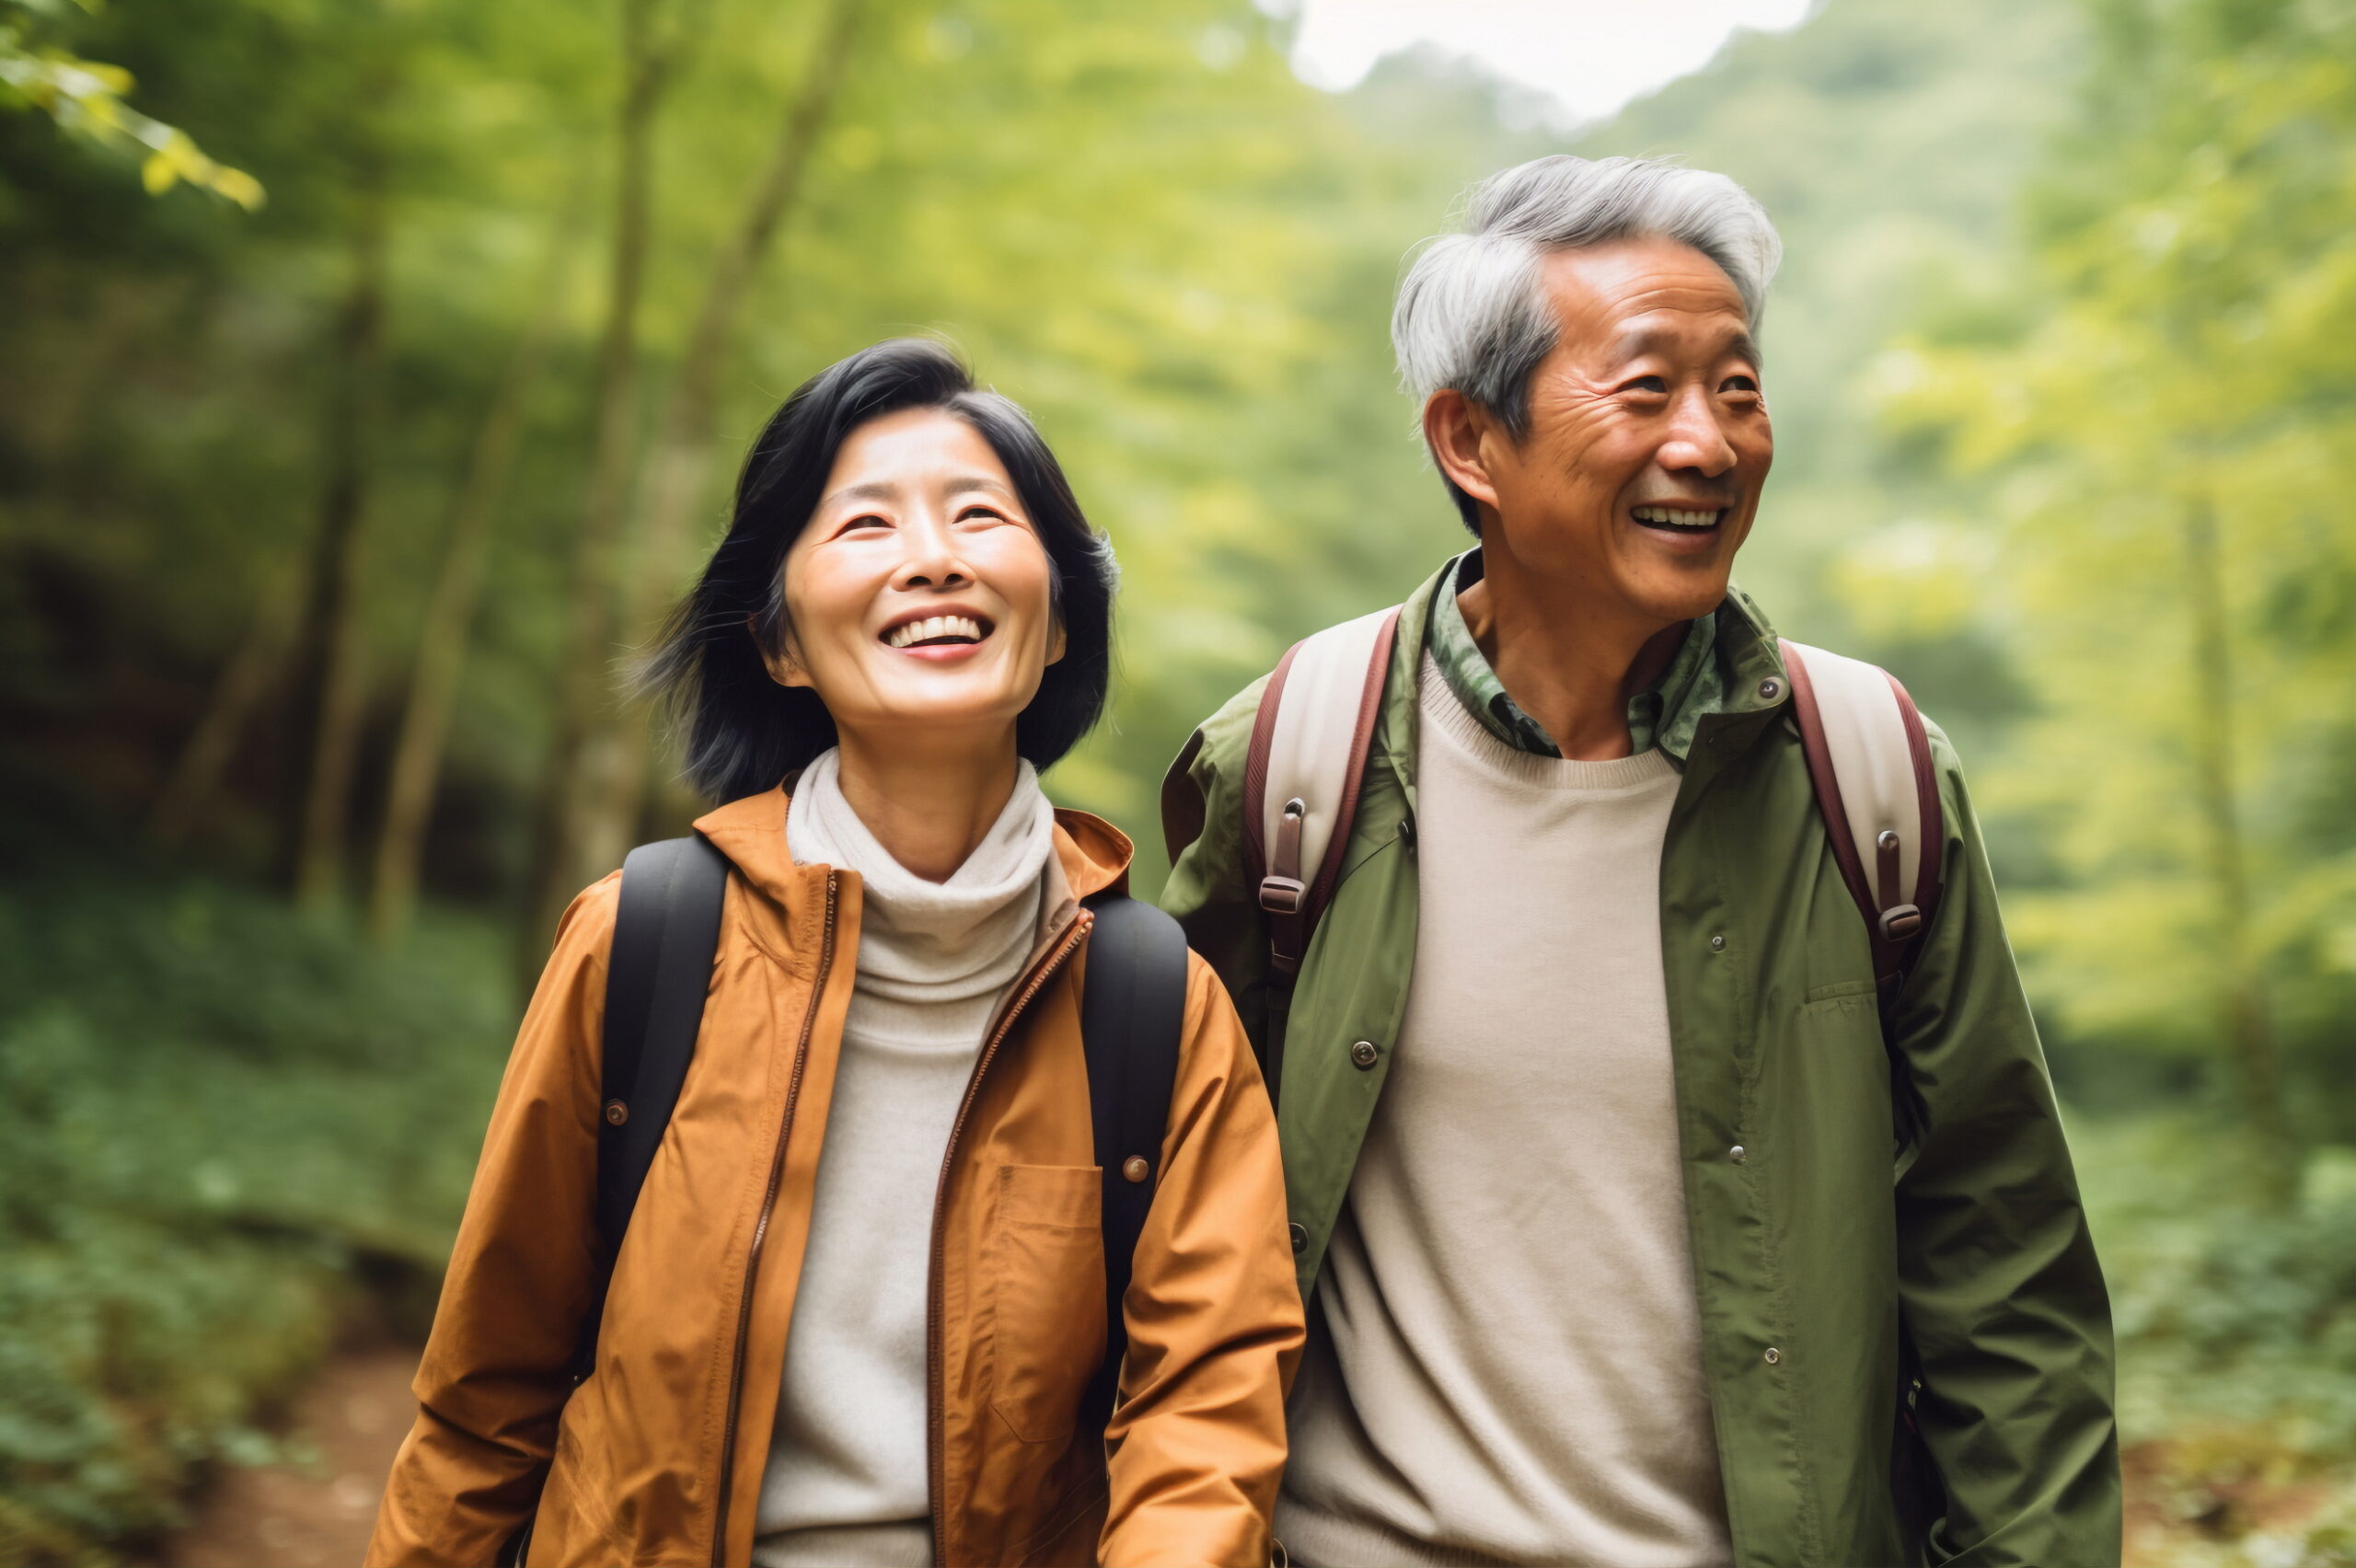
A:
[(922, 941)]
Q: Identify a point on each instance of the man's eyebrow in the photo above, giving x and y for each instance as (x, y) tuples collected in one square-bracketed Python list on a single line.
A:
[(1645, 339)]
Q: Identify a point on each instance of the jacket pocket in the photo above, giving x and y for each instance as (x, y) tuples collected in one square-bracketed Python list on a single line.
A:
[(1043, 1277)]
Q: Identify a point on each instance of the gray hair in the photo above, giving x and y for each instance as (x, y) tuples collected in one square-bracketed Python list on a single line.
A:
[(1473, 315)]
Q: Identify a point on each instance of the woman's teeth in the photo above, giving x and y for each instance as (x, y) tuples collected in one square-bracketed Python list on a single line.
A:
[(1673, 518), (935, 628)]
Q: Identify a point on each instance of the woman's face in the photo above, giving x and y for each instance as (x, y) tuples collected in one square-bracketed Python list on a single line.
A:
[(917, 598)]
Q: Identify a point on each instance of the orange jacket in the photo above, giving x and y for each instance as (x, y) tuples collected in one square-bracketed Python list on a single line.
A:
[(656, 1458)]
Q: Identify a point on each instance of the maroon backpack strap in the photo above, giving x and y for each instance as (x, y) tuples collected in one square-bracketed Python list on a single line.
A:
[(1902, 801), (1293, 895)]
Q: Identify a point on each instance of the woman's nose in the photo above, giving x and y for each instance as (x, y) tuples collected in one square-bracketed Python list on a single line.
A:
[(932, 557)]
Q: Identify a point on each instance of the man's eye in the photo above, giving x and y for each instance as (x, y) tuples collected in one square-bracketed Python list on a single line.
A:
[(1654, 385), (1739, 383)]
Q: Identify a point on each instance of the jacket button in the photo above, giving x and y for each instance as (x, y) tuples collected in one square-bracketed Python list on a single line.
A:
[(1136, 1169), (1718, 942), (1770, 689), (1300, 1234), (1774, 1356), (1365, 1053), (1737, 1154), (616, 1112)]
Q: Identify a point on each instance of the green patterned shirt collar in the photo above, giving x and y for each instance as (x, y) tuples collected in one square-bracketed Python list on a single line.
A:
[(1664, 714)]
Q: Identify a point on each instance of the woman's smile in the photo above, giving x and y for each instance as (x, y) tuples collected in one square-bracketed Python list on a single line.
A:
[(938, 636)]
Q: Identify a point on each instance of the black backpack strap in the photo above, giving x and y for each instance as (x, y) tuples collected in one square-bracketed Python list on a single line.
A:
[(657, 977), (1132, 1011)]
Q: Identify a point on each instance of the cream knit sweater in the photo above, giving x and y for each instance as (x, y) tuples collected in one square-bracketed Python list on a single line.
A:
[(1504, 1359), (847, 1481)]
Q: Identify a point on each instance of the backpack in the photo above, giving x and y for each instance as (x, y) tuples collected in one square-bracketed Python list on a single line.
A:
[(1868, 761), (1131, 1013)]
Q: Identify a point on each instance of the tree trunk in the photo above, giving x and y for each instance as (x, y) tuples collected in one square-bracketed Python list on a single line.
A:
[(584, 672), (331, 640), (254, 670), (450, 611), (2248, 1031), (681, 460)]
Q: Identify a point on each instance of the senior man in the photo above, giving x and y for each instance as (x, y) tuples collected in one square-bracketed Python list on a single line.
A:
[(1635, 1233)]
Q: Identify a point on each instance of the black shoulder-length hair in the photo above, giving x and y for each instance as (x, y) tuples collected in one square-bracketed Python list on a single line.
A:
[(745, 732)]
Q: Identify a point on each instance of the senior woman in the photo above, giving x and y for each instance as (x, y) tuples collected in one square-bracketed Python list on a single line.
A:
[(863, 1290)]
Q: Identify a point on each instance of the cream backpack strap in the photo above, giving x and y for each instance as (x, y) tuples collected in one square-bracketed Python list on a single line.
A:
[(1869, 758), (1309, 741)]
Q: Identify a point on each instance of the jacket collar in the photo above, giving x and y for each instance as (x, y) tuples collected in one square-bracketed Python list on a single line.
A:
[(1746, 649)]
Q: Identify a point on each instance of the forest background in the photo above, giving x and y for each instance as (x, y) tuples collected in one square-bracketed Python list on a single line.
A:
[(363, 408)]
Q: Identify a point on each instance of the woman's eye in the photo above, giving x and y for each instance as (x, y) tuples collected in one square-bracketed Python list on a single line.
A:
[(981, 514), (868, 520)]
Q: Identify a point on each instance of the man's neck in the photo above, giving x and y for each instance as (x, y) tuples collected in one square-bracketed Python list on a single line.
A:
[(928, 807), (1567, 662)]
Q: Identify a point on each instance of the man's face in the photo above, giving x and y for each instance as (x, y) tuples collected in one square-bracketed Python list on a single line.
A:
[(1648, 437)]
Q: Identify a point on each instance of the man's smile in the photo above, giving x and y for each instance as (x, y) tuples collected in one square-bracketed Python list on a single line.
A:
[(1684, 518)]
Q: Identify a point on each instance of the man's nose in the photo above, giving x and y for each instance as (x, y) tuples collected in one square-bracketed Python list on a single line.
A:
[(1696, 440), (929, 555)]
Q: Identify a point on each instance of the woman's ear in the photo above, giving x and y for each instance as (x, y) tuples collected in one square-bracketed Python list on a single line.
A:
[(1056, 641), (783, 664)]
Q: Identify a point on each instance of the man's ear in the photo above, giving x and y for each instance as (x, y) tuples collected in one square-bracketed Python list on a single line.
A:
[(1455, 428), (784, 667)]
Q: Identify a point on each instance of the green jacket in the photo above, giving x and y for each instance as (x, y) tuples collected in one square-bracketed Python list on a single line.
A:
[(1813, 1243)]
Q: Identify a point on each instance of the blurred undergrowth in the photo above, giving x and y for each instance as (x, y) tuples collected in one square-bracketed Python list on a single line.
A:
[(219, 1124)]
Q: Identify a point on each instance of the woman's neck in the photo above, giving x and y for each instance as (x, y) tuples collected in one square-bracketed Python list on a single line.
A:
[(928, 808)]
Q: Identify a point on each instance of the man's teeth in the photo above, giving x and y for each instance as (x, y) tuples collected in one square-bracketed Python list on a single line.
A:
[(934, 627), (1676, 519)]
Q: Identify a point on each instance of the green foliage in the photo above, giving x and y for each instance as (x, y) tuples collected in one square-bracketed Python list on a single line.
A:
[(2163, 429), (86, 98), (213, 1117), (2228, 1316)]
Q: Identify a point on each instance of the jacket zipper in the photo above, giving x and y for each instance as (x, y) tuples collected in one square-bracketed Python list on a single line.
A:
[(935, 1438), (761, 1229)]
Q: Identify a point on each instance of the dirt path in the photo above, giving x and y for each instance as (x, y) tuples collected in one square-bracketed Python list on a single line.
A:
[(357, 1413)]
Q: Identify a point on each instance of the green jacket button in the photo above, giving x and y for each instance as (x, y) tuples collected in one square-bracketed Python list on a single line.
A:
[(1365, 1053), (1737, 1154), (1718, 943), (1774, 1356), (1299, 1239)]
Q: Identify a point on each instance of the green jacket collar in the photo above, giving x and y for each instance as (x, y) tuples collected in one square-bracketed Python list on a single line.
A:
[(1730, 666)]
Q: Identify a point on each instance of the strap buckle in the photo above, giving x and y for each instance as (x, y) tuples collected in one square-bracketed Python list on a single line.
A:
[(1283, 895), (1901, 923)]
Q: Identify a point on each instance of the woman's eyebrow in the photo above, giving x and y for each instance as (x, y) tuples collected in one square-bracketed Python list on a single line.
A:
[(965, 482), (873, 489)]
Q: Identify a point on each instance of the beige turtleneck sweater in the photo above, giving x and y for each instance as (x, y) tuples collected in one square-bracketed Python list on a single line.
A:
[(847, 1484)]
